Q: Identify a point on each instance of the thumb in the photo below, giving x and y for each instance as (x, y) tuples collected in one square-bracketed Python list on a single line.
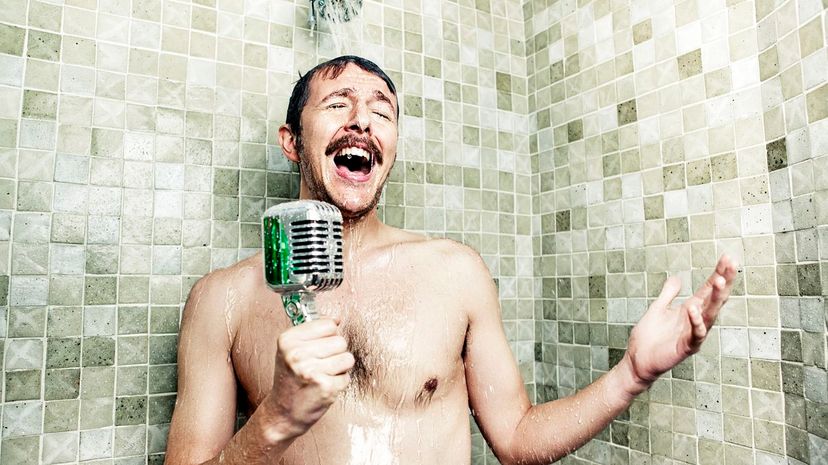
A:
[(669, 292)]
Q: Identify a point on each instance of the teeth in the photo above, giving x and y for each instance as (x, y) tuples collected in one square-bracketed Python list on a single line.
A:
[(355, 152)]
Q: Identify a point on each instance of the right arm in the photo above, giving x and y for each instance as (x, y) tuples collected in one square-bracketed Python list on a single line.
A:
[(311, 368)]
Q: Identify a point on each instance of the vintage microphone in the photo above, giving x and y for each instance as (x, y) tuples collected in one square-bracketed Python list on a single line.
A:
[(302, 253)]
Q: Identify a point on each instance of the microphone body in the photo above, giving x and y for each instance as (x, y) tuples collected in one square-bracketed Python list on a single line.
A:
[(302, 242)]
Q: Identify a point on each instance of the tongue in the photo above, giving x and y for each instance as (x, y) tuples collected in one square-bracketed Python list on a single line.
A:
[(358, 176)]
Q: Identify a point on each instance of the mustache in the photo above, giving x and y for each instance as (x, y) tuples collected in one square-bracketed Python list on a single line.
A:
[(352, 140)]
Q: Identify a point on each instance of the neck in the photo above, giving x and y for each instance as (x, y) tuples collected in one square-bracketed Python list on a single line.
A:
[(360, 234)]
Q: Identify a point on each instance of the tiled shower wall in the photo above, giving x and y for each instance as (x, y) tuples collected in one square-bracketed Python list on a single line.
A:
[(137, 153), (668, 133)]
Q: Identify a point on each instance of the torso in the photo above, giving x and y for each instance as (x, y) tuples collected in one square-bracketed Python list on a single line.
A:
[(407, 402)]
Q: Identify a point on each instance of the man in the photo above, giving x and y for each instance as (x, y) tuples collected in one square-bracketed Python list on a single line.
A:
[(408, 342)]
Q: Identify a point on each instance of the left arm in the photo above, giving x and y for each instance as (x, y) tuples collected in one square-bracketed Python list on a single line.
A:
[(521, 433)]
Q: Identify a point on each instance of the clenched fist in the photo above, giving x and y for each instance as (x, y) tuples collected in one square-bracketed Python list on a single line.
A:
[(312, 365)]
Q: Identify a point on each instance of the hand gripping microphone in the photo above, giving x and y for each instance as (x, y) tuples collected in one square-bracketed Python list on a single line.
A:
[(302, 253)]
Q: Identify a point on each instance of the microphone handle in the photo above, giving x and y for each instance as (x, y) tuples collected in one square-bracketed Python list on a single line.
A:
[(300, 307)]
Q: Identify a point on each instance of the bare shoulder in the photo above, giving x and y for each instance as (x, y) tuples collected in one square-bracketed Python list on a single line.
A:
[(444, 259), (221, 290)]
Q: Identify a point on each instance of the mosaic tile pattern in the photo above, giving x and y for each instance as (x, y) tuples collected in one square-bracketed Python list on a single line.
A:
[(668, 133), (585, 149), (137, 154)]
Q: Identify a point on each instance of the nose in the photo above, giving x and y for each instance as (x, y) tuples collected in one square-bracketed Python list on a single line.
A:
[(360, 120)]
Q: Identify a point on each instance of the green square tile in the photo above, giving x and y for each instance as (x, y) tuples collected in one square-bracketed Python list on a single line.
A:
[(765, 374), (225, 181), (26, 321), (808, 278), (22, 450), (62, 384), (654, 207), (97, 382), (642, 31), (627, 112), (160, 409), (791, 347), (717, 82), (163, 349), (282, 185), (61, 415), (413, 106), (102, 259), (133, 290), (796, 444), (96, 412), (677, 230), (133, 319), (434, 174), (225, 208), (100, 290), (164, 320), (738, 430), (673, 177), (43, 45), (98, 351), (598, 286), (63, 352), (690, 64), (22, 385), (64, 321), (768, 436), (768, 63), (39, 105), (8, 136), (163, 379), (817, 103), (817, 418), (132, 349), (811, 37), (735, 371), (612, 164), (130, 410), (575, 130), (34, 196), (698, 172), (11, 39), (68, 229), (777, 154), (132, 380)]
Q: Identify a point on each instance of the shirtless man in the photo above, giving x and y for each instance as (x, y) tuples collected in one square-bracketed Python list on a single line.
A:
[(409, 341)]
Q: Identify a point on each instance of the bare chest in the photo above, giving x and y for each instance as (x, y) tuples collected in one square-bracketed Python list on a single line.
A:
[(407, 342)]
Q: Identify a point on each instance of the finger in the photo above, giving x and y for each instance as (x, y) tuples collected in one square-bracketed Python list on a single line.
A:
[(726, 267), (721, 283), (699, 329), (669, 292), (325, 347), (338, 364), (704, 291), (316, 329)]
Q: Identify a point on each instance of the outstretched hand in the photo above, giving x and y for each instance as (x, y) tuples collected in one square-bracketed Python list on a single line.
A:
[(666, 335)]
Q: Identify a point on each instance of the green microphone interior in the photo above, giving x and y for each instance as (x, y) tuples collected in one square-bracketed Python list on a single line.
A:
[(276, 252)]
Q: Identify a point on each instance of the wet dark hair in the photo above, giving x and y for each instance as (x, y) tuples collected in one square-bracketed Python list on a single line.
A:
[(330, 69)]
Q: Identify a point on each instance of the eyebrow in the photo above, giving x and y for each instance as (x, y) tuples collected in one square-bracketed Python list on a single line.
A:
[(347, 92)]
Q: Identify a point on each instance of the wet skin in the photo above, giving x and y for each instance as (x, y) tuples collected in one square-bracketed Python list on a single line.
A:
[(408, 402), (411, 340)]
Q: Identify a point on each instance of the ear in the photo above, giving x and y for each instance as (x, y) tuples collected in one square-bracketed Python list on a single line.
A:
[(287, 140)]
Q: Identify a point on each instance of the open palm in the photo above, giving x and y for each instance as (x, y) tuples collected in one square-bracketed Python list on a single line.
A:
[(666, 335)]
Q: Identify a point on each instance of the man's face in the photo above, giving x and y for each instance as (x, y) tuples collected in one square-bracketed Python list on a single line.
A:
[(348, 140)]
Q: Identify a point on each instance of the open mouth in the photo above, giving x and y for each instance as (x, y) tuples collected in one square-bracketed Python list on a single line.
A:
[(354, 160)]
